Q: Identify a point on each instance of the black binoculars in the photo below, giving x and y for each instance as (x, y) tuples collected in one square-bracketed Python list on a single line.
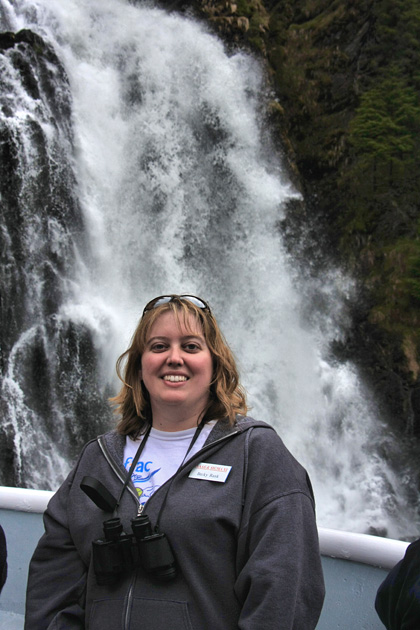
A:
[(117, 553)]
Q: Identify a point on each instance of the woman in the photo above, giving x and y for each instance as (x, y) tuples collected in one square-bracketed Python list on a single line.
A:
[(231, 511)]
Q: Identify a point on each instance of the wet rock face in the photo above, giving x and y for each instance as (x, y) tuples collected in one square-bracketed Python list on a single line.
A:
[(48, 364), (321, 59), (40, 216)]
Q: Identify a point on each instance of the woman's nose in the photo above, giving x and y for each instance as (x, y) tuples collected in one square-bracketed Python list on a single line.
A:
[(175, 356)]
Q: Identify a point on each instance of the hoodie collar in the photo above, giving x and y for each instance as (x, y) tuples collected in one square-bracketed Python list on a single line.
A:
[(222, 428)]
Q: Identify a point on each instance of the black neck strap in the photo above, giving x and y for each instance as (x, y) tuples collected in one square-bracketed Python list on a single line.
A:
[(133, 465), (137, 457)]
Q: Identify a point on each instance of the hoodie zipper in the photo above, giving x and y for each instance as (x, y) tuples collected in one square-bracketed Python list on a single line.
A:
[(109, 458), (128, 603), (114, 466)]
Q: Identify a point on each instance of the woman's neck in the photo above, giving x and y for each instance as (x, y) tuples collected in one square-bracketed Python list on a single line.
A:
[(173, 420)]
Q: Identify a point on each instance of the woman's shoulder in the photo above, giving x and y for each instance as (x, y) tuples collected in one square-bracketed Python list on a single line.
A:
[(112, 441), (223, 428), (261, 433), (271, 458), (243, 423)]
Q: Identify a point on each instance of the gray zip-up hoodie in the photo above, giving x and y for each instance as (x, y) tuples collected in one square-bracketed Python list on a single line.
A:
[(246, 549)]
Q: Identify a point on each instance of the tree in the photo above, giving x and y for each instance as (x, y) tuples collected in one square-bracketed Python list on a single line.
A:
[(385, 129)]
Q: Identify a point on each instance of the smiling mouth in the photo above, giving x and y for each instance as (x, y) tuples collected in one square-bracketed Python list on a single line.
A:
[(172, 378)]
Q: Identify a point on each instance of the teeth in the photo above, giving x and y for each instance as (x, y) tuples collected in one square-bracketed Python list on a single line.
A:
[(174, 379)]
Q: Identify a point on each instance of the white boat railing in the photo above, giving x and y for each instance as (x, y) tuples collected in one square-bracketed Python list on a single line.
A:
[(373, 550), (24, 499)]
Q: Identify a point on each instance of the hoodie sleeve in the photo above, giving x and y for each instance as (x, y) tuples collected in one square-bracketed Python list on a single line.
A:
[(398, 598), (3, 558), (279, 575), (57, 575)]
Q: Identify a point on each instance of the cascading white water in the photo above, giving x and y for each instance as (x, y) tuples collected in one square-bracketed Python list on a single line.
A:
[(181, 193)]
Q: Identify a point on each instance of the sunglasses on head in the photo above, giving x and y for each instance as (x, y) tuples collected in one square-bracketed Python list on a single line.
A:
[(164, 299)]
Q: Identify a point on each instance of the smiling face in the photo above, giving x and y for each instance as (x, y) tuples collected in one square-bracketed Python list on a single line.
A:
[(177, 370)]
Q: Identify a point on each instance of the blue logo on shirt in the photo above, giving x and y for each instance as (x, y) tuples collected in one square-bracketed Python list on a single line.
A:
[(138, 478), (141, 466)]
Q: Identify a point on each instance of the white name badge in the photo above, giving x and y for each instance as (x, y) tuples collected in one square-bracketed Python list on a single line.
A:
[(210, 472)]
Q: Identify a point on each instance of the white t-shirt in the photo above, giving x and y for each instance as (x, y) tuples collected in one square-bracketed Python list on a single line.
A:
[(161, 457)]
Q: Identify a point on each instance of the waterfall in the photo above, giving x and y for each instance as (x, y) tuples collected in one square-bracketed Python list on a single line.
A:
[(141, 164)]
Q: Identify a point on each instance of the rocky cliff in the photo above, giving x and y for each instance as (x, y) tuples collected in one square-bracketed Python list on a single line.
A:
[(41, 224), (346, 111)]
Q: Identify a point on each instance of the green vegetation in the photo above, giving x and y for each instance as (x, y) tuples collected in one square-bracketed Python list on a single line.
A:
[(385, 132), (384, 136), (346, 76), (398, 38)]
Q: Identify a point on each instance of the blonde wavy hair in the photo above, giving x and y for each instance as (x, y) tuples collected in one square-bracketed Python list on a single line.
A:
[(226, 397)]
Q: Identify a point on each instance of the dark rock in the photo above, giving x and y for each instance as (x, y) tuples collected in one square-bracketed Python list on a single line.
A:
[(53, 363), (415, 405)]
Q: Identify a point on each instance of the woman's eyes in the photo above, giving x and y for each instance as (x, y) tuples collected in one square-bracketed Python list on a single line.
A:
[(158, 347), (188, 347)]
